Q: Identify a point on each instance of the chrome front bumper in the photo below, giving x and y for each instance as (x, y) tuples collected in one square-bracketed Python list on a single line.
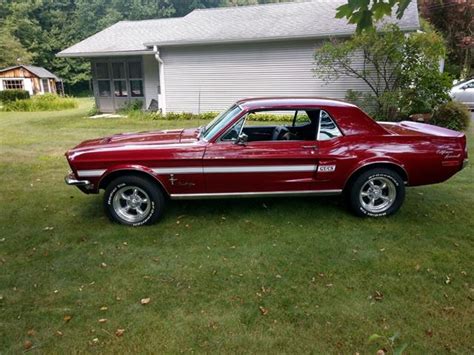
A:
[(84, 185), (70, 180)]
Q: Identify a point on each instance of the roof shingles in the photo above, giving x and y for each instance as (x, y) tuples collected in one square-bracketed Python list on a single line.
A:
[(302, 19)]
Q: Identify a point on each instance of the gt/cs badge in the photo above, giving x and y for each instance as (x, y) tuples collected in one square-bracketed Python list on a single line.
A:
[(326, 168)]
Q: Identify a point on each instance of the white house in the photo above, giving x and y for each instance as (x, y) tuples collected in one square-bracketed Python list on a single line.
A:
[(210, 58)]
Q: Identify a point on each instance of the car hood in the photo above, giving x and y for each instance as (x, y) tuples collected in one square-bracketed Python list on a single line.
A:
[(143, 138)]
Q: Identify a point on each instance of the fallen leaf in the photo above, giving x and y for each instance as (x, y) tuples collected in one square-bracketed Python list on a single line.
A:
[(59, 333), (448, 280), (378, 296), (103, 265), (48, 228), (102, 320), (263, 310), (95, 340), (103, 308), (429, 332), (31, 332), (380, 352), (67, 318), (145, 301), (119, 332), (27, 344)]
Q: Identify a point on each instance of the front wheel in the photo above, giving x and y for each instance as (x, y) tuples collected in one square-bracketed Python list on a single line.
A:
[(133, 201), (377, 193)]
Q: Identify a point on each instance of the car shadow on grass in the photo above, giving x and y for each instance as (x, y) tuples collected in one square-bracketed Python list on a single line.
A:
[(244, 208)]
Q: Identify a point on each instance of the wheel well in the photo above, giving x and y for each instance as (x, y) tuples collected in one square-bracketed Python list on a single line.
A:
[(106, 180), (397, 168)]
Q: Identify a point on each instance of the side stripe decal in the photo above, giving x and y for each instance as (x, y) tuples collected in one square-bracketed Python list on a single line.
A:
[(217, 170)]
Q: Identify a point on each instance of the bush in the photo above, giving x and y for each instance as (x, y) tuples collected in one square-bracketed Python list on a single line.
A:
[(452, 115), (12, 95), (131, 106), (205, 116), (47, 102)]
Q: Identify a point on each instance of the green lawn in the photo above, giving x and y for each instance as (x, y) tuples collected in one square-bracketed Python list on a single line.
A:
[(253, 275)]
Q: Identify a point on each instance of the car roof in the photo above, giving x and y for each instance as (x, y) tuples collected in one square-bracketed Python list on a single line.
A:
[(259, 103)]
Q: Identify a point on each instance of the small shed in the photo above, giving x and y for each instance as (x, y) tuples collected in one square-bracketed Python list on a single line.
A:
[(35, 80)]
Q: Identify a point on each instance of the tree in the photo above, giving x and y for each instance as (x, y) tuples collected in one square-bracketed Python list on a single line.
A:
[(401, 72), (12, 50), (454, 19), (364, 13)]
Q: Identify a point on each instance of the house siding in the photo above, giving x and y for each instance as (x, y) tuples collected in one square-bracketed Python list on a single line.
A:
[(212, 77), (151, 79)]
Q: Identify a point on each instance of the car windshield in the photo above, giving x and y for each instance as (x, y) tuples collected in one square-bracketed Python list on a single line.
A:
[(220, 122)]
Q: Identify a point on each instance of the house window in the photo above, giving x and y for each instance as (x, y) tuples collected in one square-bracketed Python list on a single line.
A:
[(119, 79), (120, 88), (136, 88), (104, 88), (120, 83), (45, 85), (101, 70), (13, 85), (135, 76), (103, 79)]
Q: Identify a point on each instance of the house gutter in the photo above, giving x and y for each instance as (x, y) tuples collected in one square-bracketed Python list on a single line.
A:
[(161, 78)]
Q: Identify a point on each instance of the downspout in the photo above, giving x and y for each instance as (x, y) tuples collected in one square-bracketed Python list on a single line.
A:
[(161, 76)]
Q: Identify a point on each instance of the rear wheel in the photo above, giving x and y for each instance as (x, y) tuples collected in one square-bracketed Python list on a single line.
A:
[(133, 201), (377, 193)]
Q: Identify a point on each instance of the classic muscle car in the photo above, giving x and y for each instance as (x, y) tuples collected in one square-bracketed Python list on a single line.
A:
[(327, 147)]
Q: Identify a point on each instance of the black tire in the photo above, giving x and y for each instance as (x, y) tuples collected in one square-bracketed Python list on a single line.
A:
[(368, 190), (133, 201)]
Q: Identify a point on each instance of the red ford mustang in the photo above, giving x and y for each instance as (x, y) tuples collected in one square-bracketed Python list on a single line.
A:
[(326, 147)]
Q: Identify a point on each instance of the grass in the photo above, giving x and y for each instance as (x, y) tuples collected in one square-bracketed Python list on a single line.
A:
[(46, 102), (325, 280)]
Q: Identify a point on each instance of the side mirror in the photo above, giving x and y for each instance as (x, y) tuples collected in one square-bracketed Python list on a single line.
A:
[(464, 87), (242, 139)]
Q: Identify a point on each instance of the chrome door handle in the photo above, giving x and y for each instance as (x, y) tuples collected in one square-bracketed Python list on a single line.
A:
[(313, 147)]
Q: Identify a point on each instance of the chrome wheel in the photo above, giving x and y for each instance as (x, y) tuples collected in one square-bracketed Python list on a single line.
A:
[(377, 194), (131, 203)]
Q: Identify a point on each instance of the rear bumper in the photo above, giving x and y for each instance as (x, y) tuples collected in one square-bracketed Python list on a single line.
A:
[(84, 185), (464, 163)]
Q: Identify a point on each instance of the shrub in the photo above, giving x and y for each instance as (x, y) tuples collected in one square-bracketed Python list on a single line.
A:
[(131, 106), (452, 115), (364, 100), (12, 95), (47, 102), (205, 116)]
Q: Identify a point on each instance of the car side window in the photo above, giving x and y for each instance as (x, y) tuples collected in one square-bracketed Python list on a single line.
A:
[(301, 118), (233, 132), (469, 85), (327, 127)]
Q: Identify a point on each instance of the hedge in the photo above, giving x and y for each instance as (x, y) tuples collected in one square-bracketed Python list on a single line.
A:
[(452, 115), (46, 102), (12, 95)]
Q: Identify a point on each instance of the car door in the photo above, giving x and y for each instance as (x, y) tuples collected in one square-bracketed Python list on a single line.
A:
[(269, 166), (266, 166)]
